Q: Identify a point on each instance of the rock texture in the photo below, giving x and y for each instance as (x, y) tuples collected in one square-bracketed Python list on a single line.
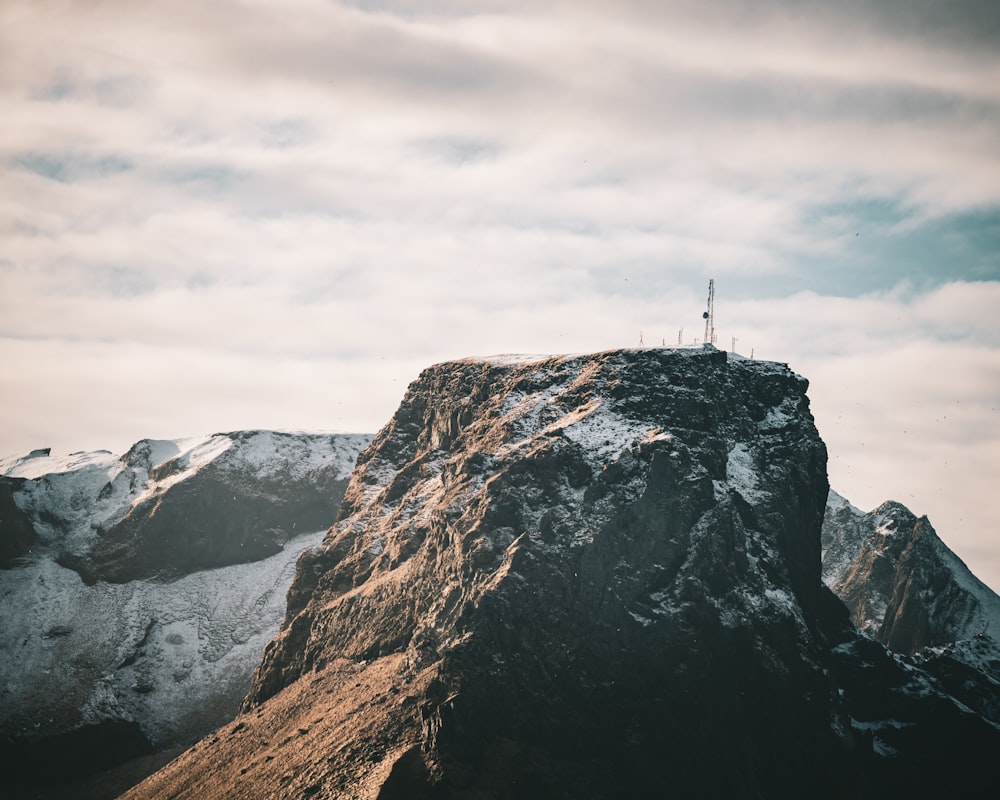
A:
[(907, 589), (901, 582), (585, 577), (142, 589), (17, 534)]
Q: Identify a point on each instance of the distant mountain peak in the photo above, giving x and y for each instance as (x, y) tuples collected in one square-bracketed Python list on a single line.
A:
[(892, 516), (901, 582), (185, 549)]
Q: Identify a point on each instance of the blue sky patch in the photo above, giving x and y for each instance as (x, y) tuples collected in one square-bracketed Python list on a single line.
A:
[(68, 168)]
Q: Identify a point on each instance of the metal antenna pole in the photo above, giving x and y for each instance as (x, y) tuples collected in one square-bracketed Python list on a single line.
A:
[(709, 315)]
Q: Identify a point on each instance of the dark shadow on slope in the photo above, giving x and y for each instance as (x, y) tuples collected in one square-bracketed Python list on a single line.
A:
[(30, 768)]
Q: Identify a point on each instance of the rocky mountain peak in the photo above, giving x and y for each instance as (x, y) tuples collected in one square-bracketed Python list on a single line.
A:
[(906, 588), (615, 470), (585, 576), (902, 584), (892, 517)]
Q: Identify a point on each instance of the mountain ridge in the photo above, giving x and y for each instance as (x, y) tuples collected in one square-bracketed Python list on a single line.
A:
[(135, 607), (531, 545)]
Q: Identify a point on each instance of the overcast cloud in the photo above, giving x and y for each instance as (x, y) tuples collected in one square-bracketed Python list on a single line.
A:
[(259, 214)]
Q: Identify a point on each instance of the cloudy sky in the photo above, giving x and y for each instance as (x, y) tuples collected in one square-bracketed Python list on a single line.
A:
[(247, 213)]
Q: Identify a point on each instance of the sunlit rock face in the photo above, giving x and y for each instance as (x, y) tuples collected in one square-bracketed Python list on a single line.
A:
[(140, 590), (573, 541), (586, 576), (906, 588), (902, 584)]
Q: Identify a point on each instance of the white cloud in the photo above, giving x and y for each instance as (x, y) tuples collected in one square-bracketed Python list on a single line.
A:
[(906, 393), (242, 213)]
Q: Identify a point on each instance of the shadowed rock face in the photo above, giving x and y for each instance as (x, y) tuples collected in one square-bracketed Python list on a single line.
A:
[(232, 514), (581, 577), (17, 534)]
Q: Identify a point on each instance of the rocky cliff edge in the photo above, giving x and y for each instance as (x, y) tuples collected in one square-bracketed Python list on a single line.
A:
[(585, 576)]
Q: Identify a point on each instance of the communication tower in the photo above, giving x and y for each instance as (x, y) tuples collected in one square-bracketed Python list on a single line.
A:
[(709, 314)]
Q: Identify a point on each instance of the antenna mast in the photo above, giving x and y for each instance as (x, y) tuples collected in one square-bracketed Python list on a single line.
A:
[(709, 315)]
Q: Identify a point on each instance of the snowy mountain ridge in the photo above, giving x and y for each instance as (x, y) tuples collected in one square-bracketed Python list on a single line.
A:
[(59, 491), (139, 590)]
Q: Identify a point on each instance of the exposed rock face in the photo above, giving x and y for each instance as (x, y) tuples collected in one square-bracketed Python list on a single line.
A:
[(901, 582), (255, 491), (17, 534), (906, 588), (181, 554), (581, 577)]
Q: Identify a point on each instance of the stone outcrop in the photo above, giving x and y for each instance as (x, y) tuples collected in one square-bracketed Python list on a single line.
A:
[(586, 576)]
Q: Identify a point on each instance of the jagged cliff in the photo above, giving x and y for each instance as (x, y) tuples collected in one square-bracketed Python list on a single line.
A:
[(901, 582), (907, 589), (586, 577)]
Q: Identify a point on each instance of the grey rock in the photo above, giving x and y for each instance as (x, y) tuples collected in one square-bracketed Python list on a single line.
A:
[(908, 590)]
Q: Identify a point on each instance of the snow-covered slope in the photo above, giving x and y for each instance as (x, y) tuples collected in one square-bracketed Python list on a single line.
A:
[(146, 585), (171, 656)]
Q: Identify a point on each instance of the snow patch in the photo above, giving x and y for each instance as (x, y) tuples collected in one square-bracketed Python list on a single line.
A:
[(154, 652), (741, 474), (39, 463), (505, 359), (780, 417)]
